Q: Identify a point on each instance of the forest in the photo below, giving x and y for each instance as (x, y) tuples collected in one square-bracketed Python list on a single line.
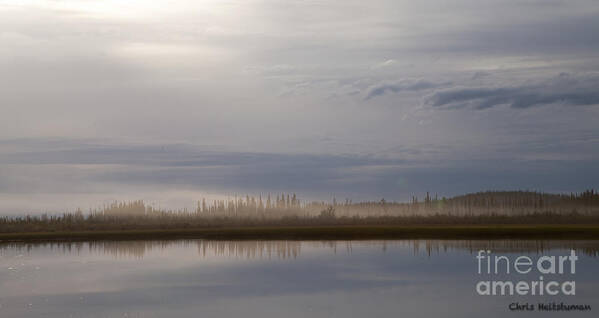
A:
[(491, 207)]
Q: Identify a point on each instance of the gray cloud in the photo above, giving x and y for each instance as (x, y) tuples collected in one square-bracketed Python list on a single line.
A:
[(88, 172), (383, 88), (564, 89)]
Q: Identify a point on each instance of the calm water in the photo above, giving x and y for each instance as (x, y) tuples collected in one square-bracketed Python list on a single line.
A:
[(196, 278)]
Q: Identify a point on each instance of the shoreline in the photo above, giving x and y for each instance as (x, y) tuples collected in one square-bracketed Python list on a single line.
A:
[(340, 232)]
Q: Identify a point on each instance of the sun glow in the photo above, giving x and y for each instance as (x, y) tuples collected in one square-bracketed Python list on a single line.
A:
[(120, 9)]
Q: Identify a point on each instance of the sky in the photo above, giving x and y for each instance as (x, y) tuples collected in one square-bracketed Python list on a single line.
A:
[(171, 101)]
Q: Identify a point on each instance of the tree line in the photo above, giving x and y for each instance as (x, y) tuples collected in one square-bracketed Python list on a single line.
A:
[(489, 207)]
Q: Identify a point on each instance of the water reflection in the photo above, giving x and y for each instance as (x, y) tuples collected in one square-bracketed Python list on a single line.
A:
[(201, 278), (292, 249)]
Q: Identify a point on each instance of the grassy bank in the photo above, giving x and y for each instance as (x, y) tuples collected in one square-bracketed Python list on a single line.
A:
[(574, 231)]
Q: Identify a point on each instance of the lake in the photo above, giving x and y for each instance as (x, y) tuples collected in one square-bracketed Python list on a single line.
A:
[(199, 278)]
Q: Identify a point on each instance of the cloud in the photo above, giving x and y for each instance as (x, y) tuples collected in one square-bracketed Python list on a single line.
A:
[(386, 64), (280, 94), (383, 88), (564, 89), (53, 174), (63, 166), (480, 74)]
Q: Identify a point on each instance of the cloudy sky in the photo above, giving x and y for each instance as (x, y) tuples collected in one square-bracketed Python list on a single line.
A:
[(169, 101)]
